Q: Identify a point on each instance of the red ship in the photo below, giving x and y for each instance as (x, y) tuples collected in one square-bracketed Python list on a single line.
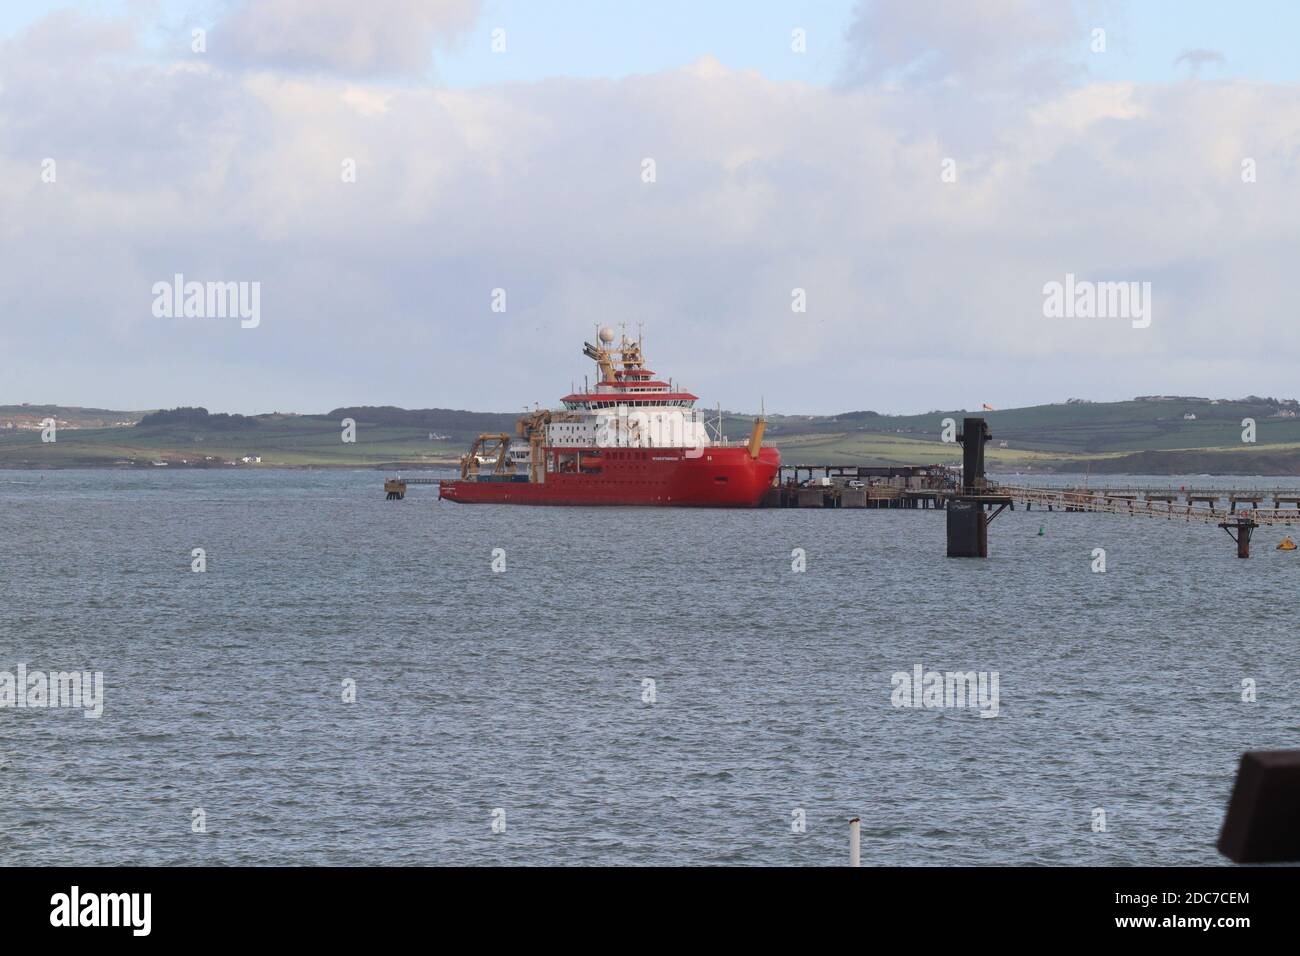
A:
[(630, 440)]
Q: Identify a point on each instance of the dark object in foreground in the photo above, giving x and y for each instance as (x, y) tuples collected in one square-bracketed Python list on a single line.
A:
[(1262, 824)]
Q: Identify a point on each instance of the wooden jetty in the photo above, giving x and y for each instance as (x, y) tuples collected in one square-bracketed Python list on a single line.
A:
[(1207, 496), (872, 496), (904, 476), (1067, 499), (883, 486), (395, 488)]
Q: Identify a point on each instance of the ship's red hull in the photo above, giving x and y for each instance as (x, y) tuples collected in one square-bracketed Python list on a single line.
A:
[(720, 478)]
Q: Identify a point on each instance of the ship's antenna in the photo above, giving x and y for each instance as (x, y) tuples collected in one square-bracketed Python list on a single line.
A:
[(717, 425)]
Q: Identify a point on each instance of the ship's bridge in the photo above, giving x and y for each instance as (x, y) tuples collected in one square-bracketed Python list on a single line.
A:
[(591, 401), (628, 406), (636, 388)]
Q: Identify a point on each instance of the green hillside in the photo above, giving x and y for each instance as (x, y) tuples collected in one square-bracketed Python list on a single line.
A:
[(1084, 428)]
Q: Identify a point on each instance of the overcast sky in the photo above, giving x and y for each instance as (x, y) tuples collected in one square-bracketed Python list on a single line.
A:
[(523, 170)]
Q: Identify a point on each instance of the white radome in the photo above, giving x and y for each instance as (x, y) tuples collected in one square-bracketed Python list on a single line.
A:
[(607, 335)]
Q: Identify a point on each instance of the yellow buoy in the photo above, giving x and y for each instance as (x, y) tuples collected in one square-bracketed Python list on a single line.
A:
[(1286, 544)]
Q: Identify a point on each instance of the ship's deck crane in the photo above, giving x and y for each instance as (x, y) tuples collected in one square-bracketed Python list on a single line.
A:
[(485, 446), (602, 360)]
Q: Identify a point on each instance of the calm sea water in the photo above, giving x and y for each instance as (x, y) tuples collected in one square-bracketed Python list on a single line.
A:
[(522, 691)]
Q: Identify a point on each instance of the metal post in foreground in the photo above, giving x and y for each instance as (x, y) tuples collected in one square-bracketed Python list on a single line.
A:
[(855, 842), (968, 535), (1243, 525)]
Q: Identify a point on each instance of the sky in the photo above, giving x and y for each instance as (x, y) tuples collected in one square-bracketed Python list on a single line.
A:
[(915, 173)]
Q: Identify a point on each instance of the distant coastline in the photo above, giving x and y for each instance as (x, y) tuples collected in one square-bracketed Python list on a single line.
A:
[(1151, 435)]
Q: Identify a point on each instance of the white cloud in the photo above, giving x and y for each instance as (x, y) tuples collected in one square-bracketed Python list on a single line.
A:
[(989, 44), (921, 293), (346, 36)]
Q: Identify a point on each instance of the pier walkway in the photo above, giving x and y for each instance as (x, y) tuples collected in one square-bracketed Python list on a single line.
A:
[(1211, 496), (1156, 506)]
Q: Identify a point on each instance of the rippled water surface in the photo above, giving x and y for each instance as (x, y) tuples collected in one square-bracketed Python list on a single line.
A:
[(522, 690)]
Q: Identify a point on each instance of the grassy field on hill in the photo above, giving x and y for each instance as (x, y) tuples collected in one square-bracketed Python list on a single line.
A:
[(283, 441), (1084, 428)]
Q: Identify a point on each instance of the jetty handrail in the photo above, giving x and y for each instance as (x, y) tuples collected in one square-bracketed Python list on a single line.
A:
[(1203, 492), (1067, 498)]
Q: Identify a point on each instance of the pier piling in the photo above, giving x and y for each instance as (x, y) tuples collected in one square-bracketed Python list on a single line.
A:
[(968, 534), (1243, 526)]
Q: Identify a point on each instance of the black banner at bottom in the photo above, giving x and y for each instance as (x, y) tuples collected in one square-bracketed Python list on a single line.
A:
[(333, 906)]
